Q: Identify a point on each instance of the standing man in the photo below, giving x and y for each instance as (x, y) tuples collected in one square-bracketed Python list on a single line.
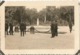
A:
[(6, 28), (25, 27), (70, 26), (11, 28), (53, 29), (56, 28), (22, 29)]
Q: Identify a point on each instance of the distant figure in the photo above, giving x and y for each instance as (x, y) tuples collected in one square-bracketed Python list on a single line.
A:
[(70, 26), (53, 29), (6, 28), (22, 28), (11, 29), (16, 29), (56, 28), (25, 27), (32, 29)]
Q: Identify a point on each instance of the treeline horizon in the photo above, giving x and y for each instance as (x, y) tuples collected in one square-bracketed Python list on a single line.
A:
[(17, 14)]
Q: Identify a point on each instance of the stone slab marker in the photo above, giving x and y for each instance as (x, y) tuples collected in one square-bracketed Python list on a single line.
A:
[(37, 21)]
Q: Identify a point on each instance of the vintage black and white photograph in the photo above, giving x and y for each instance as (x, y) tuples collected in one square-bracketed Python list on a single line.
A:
[(49, 27)]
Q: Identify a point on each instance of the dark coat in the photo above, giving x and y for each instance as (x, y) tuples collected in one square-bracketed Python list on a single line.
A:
[(6, 26), (53, 27), (11, 27), (22, 26)]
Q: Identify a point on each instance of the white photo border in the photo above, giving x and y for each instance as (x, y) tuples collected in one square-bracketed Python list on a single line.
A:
[(41, 51)]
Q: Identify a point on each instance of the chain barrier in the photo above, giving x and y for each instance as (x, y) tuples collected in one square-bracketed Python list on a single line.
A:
[(35, 30)]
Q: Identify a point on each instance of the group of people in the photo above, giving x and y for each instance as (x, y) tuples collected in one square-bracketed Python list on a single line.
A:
[(22, 28), (9, 28), (54, 28)]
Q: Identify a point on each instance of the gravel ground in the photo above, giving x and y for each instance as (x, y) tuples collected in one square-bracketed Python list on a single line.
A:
[(64, 40)]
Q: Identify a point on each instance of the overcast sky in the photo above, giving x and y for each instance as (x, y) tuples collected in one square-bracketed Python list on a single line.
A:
[(37, 7)]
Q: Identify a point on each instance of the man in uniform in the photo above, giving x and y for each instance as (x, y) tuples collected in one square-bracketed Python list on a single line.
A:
[(22, 28), (53, 29)]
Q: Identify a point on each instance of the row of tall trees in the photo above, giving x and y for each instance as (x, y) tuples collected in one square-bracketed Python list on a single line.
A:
[(18, 14)]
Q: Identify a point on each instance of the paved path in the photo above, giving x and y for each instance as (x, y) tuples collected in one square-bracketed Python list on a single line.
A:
[(64, 40)]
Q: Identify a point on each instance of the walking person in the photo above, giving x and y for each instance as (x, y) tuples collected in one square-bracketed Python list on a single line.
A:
[(53, 29)]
